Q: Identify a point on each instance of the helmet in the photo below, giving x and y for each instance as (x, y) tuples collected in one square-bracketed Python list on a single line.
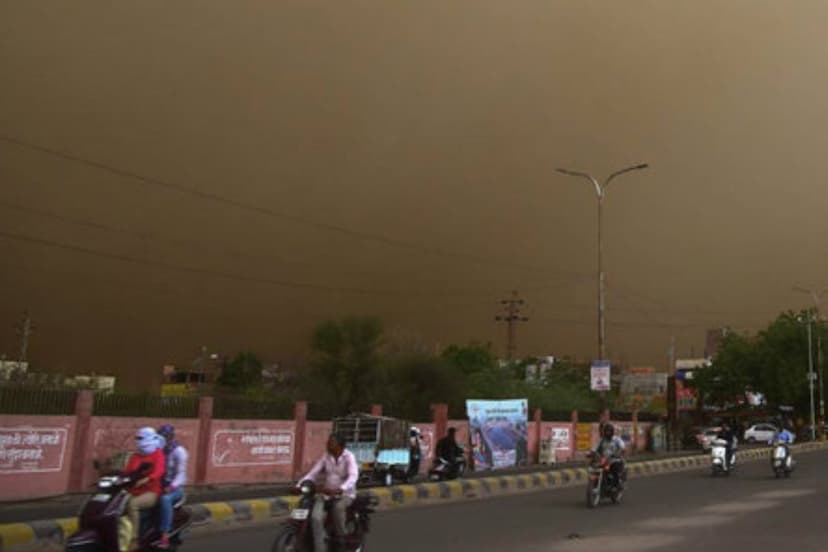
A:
[(609, 431), (167, 431), (147, 440), (414, 431)]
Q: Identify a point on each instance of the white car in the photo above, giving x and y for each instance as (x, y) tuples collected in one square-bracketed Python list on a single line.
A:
[(761, 433)]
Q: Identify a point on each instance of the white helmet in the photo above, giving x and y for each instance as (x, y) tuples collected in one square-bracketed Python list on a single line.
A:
[(415, 431)]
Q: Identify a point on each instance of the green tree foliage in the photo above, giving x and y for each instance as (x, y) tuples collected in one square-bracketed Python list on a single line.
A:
[(773, 362), (241, 373), (346, 365)]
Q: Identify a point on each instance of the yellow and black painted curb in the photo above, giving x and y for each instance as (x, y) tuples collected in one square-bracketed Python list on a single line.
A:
[(49, 535)]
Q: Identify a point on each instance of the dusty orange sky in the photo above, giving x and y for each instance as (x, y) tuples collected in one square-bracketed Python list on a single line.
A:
[(230, 173)]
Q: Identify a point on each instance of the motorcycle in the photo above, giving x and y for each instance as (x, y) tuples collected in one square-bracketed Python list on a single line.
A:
[(296, 534), (718, 458), (603, 483), (444, 470), (781, 460), (104, 527)]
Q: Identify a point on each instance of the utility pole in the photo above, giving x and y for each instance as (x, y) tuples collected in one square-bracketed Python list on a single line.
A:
[(25, 330), (816, 296), (511, 316)]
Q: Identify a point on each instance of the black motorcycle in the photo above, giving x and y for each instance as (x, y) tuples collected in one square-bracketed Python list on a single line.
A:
[(104, 527), (296, 534), (445, 469)]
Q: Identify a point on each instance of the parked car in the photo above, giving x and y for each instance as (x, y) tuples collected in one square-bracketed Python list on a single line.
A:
[(761, 433), (705, 436)]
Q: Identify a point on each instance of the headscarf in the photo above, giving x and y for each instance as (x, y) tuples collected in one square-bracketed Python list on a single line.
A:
[(148, 441), (167, 432)]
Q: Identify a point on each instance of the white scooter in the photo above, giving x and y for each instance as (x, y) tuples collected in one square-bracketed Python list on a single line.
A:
[(782, 461), (718, 457)]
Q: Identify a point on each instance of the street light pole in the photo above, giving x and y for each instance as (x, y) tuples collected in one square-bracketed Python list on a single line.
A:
[(600, 190), (811, 379), (817, 298)]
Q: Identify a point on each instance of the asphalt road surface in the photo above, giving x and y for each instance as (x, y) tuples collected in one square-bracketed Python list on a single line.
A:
[(683, 512)]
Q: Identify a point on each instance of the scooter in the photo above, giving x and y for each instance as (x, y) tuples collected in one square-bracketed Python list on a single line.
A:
[(104, 527), (782, 461), (444, 470), (718, 458), (296, 533), (602, 484)]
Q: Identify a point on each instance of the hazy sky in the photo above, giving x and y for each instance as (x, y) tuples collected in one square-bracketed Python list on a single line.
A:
[(306, 159)]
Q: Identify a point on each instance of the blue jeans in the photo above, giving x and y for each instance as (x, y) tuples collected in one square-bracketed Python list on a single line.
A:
[(166, 504)]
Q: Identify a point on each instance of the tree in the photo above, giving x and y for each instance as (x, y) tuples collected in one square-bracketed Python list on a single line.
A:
[(471, 358), (415, 381), (773, 362), (242, 373), (345, 371)]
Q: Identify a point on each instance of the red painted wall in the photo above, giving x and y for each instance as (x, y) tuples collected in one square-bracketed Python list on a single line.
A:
[(250, 451), (35, 455)]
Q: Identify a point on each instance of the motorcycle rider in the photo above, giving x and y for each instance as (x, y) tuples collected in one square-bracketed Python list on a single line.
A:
[(613, 448), (339, 466), (145, 491), (414, 453), (448, 449), (174, 480), (729, 437)]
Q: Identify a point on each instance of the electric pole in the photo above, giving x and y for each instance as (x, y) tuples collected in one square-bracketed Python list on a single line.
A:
[(511, 316), (25, 330)]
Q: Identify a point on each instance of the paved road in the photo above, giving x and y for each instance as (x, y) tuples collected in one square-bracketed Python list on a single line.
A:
[(68, 505), (682, 512)]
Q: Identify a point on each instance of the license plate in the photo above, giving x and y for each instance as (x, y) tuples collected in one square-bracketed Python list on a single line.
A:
[(299, 514), (100, 498)]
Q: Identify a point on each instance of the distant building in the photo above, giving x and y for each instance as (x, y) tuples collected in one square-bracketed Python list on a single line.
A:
[(99, 384), (536, 372), (713, 341)]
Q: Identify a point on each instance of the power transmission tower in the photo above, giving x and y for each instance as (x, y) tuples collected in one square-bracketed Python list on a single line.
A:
[(511, 316), (25, 330)]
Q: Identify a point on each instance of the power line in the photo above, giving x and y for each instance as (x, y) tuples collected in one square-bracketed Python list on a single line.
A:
[(265, 211), (219, 274)]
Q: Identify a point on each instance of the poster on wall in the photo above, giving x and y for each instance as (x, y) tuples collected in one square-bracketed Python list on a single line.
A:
[(32, 450), (600, 372), (560, 438), (499, 433), (254, 447)]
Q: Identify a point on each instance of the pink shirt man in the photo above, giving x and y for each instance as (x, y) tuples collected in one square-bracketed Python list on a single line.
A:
[(340, 473)]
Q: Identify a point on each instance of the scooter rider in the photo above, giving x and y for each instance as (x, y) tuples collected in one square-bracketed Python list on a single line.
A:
[(448, 448), (146, 491), (174, 480), (415, 453), (612, 447), (341, 472), (786, 438), (729, 437)]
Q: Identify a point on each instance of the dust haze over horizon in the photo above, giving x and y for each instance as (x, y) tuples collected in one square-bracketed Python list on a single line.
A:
[(229, 174)]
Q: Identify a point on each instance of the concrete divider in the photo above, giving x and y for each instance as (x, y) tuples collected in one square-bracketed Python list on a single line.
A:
[(49, 535)]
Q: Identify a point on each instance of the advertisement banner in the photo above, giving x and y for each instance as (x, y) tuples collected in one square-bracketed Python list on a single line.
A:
[(252, 447), (499, 433), (32, 450), (560, 438), (600, 373)]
